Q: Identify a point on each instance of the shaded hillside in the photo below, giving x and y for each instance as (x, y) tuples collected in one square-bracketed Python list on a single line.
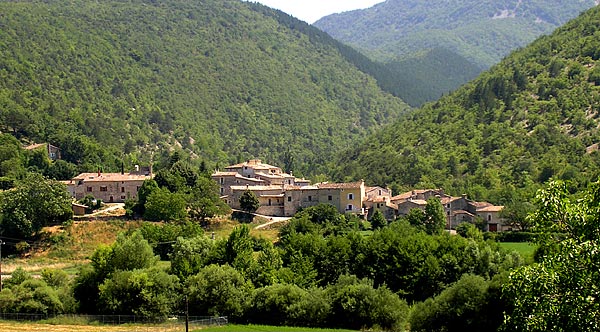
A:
[(223, 79), (533, 117), (482, 32)]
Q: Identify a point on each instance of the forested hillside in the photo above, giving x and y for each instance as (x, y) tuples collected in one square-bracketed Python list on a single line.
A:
[(482, 32), (531, 118), (222, 79)]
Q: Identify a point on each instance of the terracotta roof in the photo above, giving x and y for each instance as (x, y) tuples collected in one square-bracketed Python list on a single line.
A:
[(455, 212), (273, 195), (346, 185), (448, 199), (378, 199), (288, 187), (224, 173), (392, 205), (110, 177), (414, 201), (254, 164), (479, 205), (256, 188), (493, 208)]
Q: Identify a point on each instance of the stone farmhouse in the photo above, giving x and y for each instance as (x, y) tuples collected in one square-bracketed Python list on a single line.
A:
[(109, 187), (282, 194), (52, 151)]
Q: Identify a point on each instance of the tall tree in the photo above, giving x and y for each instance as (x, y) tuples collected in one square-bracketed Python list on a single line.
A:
[(36, 202), (249, 202), (435, 217), (560, 292)]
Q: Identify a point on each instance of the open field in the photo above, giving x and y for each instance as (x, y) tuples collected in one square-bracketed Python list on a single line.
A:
[(28, 326), (526, 249), (9, 326)]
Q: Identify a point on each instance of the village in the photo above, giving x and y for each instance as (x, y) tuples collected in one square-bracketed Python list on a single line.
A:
[(282, 195)]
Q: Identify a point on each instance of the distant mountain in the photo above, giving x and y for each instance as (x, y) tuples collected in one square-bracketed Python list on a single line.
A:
[(483, 32), (533, 117), (224, 80)]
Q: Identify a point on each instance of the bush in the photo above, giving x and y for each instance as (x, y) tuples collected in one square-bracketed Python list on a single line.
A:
[(516, 237), (460, 307)]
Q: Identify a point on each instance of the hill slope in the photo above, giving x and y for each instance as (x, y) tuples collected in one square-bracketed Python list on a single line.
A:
[(533, 117), (482, 32), (223, 79)]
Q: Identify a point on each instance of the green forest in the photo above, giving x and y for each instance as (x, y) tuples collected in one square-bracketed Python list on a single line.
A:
[(529, 119), (474, 35), (117, 81), (192, 86)]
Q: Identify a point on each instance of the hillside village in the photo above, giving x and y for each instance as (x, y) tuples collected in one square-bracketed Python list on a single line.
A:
[(282, 194)]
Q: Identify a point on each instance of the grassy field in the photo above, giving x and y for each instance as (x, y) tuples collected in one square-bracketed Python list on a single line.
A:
[(29, 326), (526, 249)]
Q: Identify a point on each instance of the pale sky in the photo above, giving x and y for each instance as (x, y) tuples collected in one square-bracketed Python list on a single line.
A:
[(312, 10)]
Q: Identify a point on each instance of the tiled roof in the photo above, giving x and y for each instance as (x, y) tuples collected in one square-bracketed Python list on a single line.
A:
[(257, 188), (455, 212), (493, 208), (479, 205), (224, 174), (448, 199), (346, 185), (288, 187), (110, 177), (414, 201)]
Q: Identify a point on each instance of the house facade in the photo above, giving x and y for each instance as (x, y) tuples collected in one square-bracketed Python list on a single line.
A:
[(109, 187), (282, 194)]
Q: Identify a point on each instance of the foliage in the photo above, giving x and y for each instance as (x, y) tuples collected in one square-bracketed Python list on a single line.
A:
[(190, 255), (356, 304), (33, 204), (162, 236), (560, 291), (218, 291), (285, 304), (469, 231), (221, 79), (527, 120), (429, 49), (49, 295), (378, 220), (127, 253), (149, 293), (91, 202), (460, 307), (249, 202), (163, 205)]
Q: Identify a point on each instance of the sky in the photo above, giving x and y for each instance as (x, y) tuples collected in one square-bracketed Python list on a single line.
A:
[(312, 10)]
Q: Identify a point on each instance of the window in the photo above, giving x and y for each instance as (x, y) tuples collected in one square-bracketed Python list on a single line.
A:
[(89, 189), (330, 198), (350, 196), (222, 180), (122, 197), (350, 207), (289, 198), (103, 188), (122, 189), (222, 190), (489, 217), (310, 198)]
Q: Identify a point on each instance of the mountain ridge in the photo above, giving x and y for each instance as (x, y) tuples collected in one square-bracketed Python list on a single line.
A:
[(223, 80), (531, 118)]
